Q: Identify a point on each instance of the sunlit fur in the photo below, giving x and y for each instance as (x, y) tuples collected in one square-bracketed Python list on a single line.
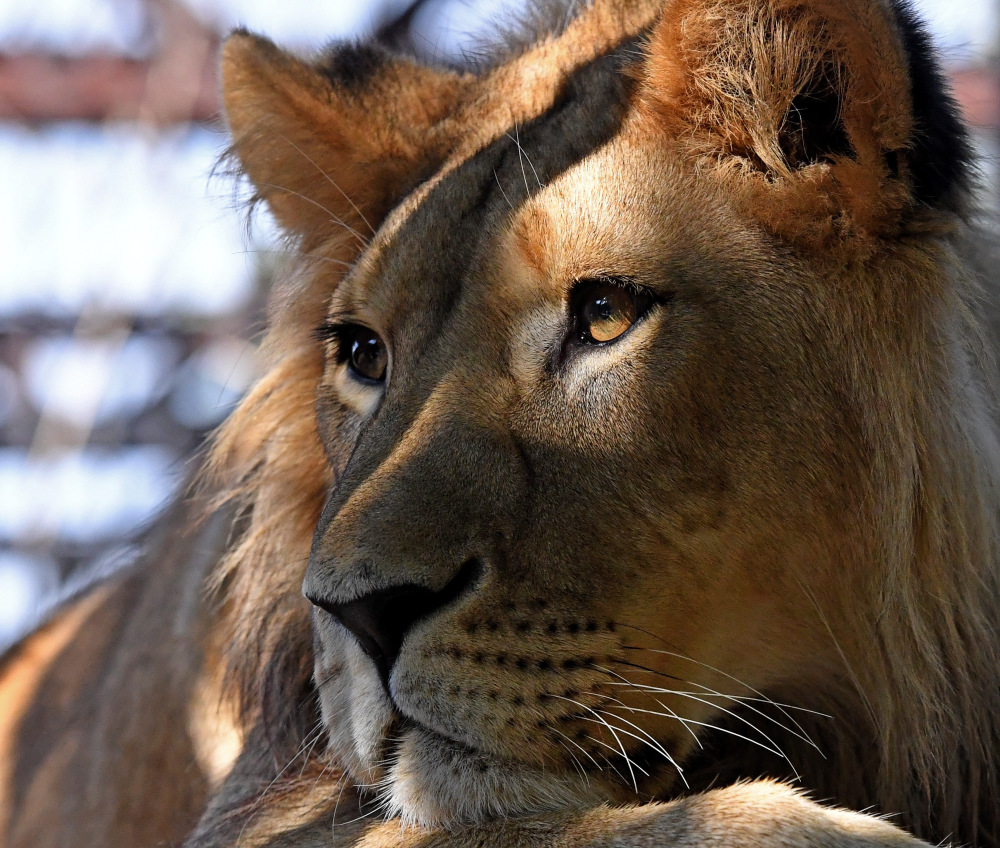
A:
[(894, 309), (753, 540)]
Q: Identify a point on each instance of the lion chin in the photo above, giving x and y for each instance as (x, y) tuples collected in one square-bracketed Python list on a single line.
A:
[(421, 776), (433, 781)]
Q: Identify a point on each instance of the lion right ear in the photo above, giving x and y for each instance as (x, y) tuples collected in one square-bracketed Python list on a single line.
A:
[(335, 143), (831, 115)]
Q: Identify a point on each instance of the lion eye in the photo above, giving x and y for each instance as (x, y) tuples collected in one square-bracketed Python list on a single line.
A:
[(366, 355), (604, 309), (361, 349)]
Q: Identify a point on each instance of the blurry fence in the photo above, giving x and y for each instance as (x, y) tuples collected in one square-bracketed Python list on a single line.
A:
[(130, 297)]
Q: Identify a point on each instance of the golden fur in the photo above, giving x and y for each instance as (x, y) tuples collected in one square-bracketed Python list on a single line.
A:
[(753, 540)]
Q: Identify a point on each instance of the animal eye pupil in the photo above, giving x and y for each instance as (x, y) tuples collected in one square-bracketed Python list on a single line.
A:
[(605, 310), (367, 357)]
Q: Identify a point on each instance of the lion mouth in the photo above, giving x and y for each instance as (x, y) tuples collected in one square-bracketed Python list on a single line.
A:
[(434, 781), (426, 767), (405, 725), (426, 776), (403, 728)]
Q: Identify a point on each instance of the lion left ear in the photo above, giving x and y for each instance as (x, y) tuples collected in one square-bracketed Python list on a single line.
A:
[(838, 104), (336, 141)]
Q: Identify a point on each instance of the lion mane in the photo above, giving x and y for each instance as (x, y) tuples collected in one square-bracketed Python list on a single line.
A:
[(780, 544)]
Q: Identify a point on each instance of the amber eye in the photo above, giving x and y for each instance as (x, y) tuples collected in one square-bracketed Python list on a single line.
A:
[(604, 309)]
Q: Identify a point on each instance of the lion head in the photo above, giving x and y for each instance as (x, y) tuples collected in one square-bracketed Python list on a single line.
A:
[(627, 428)]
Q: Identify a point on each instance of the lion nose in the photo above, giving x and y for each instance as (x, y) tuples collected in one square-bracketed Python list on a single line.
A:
[(380, 620)]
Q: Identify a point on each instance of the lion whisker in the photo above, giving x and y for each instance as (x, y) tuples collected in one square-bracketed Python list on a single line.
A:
[(308, 754), (330, 180), (796, 730), (776, 751), (747, 699), (308, 743), (336, 805), (363, 242), (604, 757), (628, 761), (652, 671), (576, 760), (652, 742), (700, 698), (516, 138), (645, 738), (601, 720), (497, 178), (309, 740), (329, 259), (520, 158), (365, 815), (673, 714), (381, 805), (617, 752), (774, 747), (655, 743), (585, 752), (718, 671)]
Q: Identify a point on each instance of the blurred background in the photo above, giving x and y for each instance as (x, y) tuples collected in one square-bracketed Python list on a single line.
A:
[(131, 291)]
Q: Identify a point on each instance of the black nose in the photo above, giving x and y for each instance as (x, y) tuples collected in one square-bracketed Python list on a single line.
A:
[(380, 620)]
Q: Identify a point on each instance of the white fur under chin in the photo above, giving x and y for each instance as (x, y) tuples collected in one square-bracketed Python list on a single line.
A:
[(436, 783), (430, 780)]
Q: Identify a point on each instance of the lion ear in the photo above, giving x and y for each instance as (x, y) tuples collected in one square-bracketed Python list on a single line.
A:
[(337, 141), (840, 100)]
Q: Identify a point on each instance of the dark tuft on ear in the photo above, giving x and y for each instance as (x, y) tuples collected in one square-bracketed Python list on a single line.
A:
[(350, 67), (332, 144), (940, 152)]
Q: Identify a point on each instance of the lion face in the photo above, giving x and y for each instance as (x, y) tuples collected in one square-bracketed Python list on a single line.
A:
[(595, 392), (574, 491)]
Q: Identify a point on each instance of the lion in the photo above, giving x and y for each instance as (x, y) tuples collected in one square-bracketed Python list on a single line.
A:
[(625, 471)]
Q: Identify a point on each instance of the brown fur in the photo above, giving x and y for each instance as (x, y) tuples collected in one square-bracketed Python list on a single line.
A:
[(130, 761), (778, 488)]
